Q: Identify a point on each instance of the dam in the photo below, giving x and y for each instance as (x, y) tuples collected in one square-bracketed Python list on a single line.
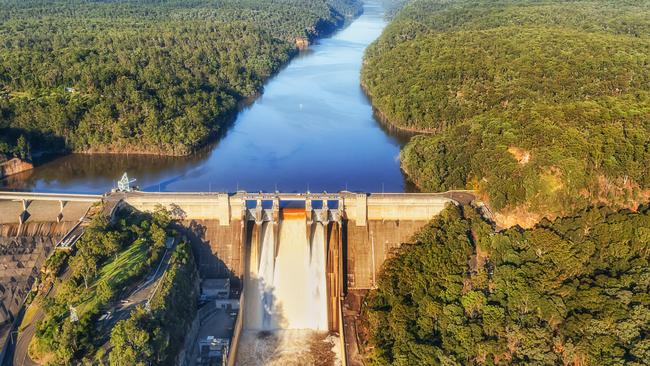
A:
[(296, 256), (293, 258)]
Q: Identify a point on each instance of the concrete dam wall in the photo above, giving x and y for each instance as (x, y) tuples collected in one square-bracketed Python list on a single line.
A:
[(371, 225)]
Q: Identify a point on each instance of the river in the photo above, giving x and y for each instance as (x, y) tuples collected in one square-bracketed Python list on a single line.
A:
[(311, 129)]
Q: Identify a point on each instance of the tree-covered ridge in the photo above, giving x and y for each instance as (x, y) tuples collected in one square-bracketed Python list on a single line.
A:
[(540, 105), (285, 19), (612, 16), (109, 259), (565, 156), (455, 76), (155, 337), (138, 76), (573, 292)]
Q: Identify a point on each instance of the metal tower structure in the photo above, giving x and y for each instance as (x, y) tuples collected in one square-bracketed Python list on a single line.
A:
[(124, 184)]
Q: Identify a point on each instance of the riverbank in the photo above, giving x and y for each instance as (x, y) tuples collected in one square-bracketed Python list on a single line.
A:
[(14, 166), (311, 128), (322, 28), (391, 124)]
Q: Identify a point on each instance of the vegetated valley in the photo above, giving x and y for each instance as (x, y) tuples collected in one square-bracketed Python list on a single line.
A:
[(541, 106), (142, 77)]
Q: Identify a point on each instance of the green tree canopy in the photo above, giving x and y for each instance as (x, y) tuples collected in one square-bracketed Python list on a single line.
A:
[(542, 106), (574, 291), (153, 76)]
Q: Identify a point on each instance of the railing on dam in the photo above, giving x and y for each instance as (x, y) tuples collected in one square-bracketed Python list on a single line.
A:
[(35, 196)]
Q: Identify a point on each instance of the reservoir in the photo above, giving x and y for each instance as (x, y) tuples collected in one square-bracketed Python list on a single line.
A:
[(311, 129)]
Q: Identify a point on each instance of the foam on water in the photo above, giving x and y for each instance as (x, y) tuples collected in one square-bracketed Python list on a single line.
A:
[(288, 348)]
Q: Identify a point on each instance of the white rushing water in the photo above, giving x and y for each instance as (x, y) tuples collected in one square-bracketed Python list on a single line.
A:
[(287, 289), (285, 298), (289, 348)]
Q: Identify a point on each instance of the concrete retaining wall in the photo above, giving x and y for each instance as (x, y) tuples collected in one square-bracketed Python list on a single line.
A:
[(239, 325)]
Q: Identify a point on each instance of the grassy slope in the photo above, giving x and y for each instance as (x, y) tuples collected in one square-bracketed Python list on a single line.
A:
[(115, 272)]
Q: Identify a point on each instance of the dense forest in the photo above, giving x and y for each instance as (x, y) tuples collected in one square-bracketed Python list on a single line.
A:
[(541, 106), (142, 76), (155, 337), (574, 292)]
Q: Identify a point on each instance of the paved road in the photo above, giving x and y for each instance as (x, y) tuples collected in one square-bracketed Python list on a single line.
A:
[(144, 292), (462, 197), (121, 311), (21, 354)]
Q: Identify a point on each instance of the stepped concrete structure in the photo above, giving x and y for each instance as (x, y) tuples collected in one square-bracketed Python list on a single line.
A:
[(31, 226)]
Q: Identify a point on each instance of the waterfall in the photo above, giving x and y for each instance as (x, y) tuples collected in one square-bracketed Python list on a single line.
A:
[(317, 277), (266, 271), (287, 289)]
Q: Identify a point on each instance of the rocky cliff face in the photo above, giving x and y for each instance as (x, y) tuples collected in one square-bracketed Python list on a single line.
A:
[(302, 43), (14, 166)]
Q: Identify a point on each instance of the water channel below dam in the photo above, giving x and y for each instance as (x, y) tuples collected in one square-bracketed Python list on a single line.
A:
[(311, 129), (285, 292)]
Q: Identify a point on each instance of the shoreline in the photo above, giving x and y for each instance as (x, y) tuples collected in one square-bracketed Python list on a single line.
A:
[(381, 117), (222, 123)]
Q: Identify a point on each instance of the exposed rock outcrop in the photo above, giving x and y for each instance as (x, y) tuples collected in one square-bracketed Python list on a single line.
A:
[(14, 166)]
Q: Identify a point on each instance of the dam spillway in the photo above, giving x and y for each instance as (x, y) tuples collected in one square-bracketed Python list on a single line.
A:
[(286, 272), (280, 268), (285, 290)]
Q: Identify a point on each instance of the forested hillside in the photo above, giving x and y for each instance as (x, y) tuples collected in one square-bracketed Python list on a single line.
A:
[(542, 106), (113, 262), (142, 76), (571, 292)]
